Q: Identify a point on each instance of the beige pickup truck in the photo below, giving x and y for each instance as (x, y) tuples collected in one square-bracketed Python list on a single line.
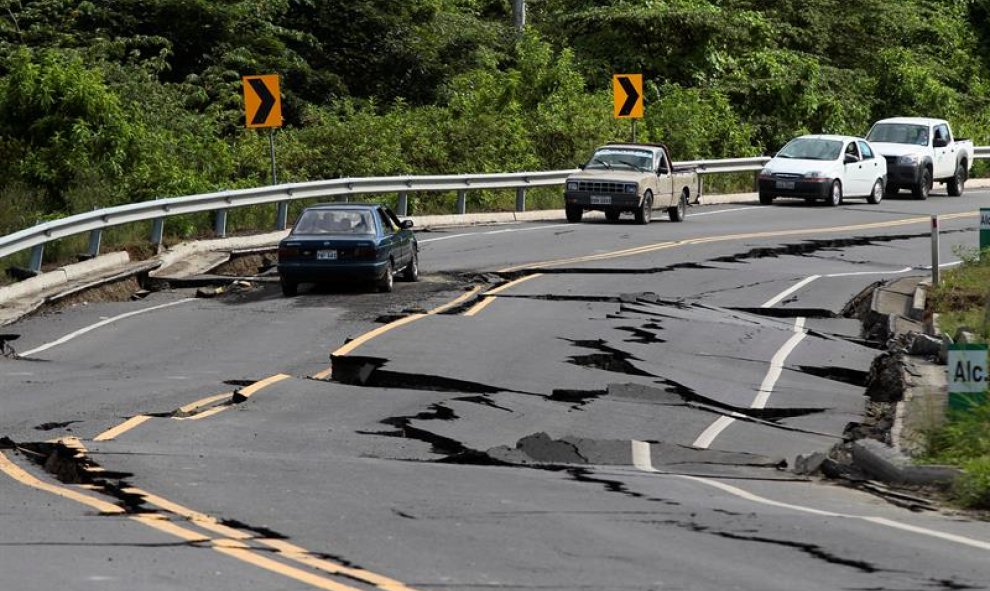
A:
[(636, 178)]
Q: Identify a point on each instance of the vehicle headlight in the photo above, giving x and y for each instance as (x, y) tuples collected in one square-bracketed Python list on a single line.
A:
[(631, 188), (572, 186), (908, 160), (814, 174), (766, 173)]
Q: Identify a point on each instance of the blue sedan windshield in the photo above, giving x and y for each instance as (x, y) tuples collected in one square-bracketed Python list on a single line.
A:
[(322, 221)]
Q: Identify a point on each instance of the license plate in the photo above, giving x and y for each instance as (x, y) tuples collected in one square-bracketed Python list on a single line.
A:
[(601, 200), (326, 255), (785, 184)]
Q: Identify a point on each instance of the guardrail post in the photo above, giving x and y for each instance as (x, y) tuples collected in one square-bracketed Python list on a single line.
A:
[(282, 215), (157, 231), (95, 237), (37, 253), (521, 199), (220, 223), (701, 188), (462, 202), (403, 205)]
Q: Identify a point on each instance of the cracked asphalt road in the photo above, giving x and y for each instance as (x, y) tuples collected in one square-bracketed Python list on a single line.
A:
[(618, 422)]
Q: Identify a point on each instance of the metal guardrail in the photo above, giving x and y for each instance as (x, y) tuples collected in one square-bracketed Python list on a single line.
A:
[(158, 210)]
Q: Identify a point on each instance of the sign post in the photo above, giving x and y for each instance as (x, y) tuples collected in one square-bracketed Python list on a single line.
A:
[(263, 108), (984, 229), (627, 94), (968, 379)]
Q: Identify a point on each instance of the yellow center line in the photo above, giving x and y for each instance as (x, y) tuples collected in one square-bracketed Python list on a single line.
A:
[(711, 239), (456, 302), (349, 347), (477, 308), (511, 284), (285, 548), (231, 544), (114, 432), (240, 551), (203, 415), (247, 391), (20, 475), (204, 402)]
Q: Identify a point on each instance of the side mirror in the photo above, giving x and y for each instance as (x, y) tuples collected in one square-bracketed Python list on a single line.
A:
[(581, 166), (940, 142), (406, 224), (851, 159)]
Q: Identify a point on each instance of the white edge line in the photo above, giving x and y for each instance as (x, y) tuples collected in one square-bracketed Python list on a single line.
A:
[(694, 215), (100, 324), (642, 461), (779, 297), (489, 233)]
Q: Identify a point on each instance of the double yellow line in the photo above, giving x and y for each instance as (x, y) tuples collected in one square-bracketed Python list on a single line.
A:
[(192, 411), (230, 541), (728, 238)]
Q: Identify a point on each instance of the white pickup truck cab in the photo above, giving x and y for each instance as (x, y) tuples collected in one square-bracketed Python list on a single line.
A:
[(920, 151)]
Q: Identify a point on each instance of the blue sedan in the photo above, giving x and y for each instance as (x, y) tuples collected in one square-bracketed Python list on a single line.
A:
[(353, 241)]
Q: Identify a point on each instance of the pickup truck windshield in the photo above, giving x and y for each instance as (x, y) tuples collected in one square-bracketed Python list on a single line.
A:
[(811, 149), (317, 221), (899, 133), (624, 159)]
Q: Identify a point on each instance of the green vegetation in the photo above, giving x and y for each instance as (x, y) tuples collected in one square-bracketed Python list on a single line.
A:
[(105, 103), (964, 441), (962, 300)]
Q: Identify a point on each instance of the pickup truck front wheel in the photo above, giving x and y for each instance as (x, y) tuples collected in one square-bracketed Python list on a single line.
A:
[(645, 213), (957, 183), (574, 214), (924, 186), (679, 211)]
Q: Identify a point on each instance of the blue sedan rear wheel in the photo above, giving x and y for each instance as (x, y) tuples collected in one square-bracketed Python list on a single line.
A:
[(388, 278), (412, 269)]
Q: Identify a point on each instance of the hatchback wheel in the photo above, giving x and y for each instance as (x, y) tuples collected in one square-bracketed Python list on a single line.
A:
[(289, 288), (835, 195), (876, 195)]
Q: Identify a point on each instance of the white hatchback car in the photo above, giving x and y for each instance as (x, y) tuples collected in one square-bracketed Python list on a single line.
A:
[(825, 167)]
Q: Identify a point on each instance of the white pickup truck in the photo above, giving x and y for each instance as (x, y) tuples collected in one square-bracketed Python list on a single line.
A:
[(921, 151), (636, 178)]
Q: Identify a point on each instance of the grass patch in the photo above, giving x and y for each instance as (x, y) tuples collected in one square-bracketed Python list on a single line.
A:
[(962, 300), (964, 441)]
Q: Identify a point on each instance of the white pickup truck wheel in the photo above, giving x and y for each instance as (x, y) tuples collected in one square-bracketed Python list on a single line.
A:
[(924, 186), (957, 183), (645, 213), (679, 211)]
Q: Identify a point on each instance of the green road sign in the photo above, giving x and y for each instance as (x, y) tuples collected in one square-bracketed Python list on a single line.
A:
[(968, 377)]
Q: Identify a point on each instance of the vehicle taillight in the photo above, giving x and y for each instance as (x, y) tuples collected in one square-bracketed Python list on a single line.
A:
[(365, 252), (285, 252)]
